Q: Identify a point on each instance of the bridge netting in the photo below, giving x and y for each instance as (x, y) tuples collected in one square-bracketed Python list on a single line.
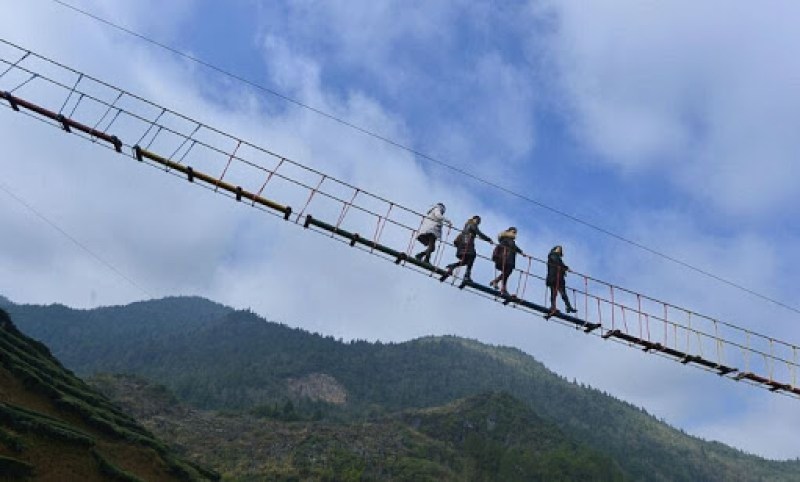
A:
[(174, 143)]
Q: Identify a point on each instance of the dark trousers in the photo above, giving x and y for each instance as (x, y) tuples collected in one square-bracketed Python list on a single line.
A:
[(505, 272), (429, 240), (467, 259), (559, 288)]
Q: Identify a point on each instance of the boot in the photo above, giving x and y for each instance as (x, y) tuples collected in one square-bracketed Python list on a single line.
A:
[(446, 273), (570, 309)]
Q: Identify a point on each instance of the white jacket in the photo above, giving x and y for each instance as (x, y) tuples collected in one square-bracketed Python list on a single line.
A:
[(433, 221)]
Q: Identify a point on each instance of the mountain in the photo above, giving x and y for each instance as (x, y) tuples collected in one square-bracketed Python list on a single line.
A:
[(55, 427), (217, 358), (489, 436)]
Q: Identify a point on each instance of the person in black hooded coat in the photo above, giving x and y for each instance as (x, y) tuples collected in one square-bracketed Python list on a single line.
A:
[(465, 247), (556, 272)]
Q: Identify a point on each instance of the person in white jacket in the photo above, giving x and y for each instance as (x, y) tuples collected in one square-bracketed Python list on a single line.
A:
[(430, 231)]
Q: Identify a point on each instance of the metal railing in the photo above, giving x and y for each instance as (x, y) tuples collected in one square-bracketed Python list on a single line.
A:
[(251, 174)]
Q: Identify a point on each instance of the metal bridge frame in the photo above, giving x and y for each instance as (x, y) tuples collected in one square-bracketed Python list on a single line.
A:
[(738, 354)]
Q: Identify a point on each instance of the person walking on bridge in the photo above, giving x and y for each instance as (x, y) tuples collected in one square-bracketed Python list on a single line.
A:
[(505, 257), (556, 272), (465, 247), (431, 230)]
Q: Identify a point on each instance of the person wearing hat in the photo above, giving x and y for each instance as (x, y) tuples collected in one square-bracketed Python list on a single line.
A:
[(556, 272), (430, 231), (465, 248), (504, 257)]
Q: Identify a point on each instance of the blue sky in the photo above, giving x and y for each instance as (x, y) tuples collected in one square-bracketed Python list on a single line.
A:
[(673, 125)]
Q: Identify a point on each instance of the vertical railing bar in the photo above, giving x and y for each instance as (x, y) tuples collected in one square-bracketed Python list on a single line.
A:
[(624, 319), (585, 299), (71, 91), (675, 334), (23, 84), (310, 197), (771, 361), (346, 208), (699, 343), (689, 332), (190, 137), (747, 352), (600, 315), (413, 236), (113, 120), (437, 258), (271, 173), (613, 322), (191, 146), (152, 124), (227, 165), (108, 110), (380, 226), (639, 313), (158, 131), (527, 275), (80, 99)]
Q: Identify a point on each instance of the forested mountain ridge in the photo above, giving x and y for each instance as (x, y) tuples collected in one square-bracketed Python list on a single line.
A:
[(55, 427), (485, 437), (234, 360)]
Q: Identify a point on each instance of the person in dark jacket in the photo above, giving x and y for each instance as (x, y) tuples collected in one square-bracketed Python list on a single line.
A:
[(465, 248), (504, 257), (556, 272)]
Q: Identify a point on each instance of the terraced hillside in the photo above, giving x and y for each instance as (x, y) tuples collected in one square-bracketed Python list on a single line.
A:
[(54, 427)]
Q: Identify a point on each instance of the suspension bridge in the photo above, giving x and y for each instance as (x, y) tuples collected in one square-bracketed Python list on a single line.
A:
[(156, 136)]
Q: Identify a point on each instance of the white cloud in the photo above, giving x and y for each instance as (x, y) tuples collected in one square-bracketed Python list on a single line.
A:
[(704, 97), (473, 105)]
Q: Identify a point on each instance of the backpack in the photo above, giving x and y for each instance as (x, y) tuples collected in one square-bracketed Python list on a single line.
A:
[(459, 241), (497, 254)]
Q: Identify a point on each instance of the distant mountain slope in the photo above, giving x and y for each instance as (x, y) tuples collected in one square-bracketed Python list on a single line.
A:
[(54, 427), (240, 361), (486, 437)]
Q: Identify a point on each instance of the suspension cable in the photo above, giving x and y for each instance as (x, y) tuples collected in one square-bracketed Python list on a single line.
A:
[(492, 184)]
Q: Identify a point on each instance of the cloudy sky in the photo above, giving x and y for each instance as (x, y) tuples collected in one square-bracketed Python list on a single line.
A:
[(672, 124)]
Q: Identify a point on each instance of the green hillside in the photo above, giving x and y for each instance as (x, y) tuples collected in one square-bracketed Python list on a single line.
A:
[(54, 427), (235, 360), (486, 437)]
